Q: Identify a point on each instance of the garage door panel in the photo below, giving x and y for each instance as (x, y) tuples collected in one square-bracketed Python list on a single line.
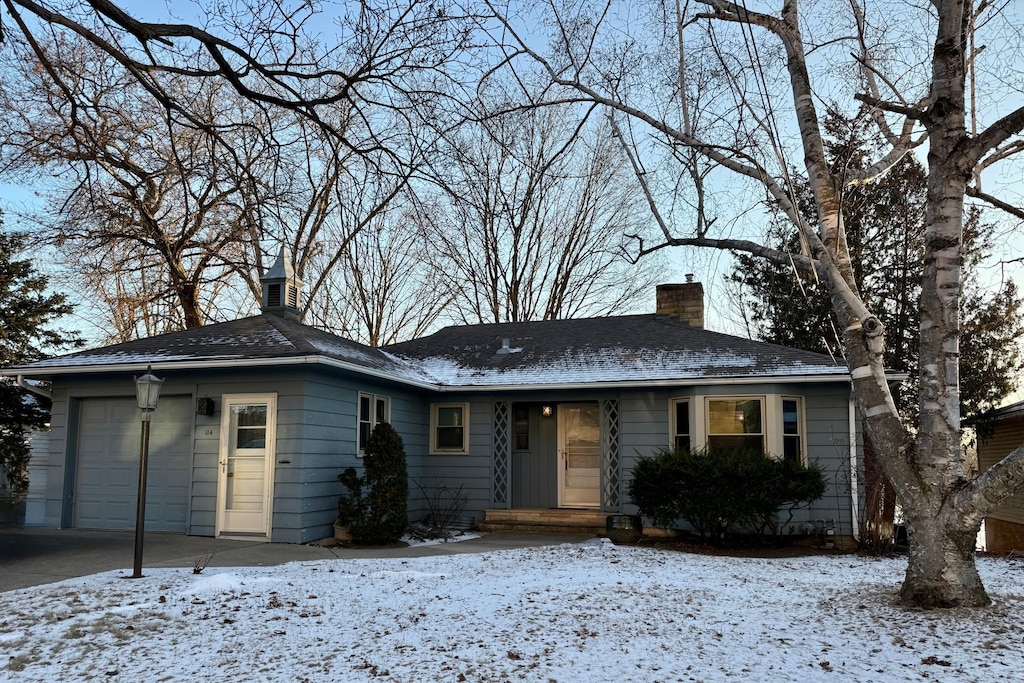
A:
[(110, 514), (108, 459)]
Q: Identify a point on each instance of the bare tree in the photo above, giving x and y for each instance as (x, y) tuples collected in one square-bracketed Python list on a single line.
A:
[(282, 54), (769, 84), (130, 191), (382, 292), (339, 96), (535, 212), (319, 198)]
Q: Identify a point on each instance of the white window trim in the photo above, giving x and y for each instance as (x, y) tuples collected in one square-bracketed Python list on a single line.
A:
[(672, 418), (772, 426), (434, 450), (360, 451)]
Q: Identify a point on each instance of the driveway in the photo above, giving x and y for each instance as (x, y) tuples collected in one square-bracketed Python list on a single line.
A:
[(30, 557)]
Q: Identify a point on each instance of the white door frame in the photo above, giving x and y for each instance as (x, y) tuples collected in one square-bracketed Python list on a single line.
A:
[(263, 528), (563, 463)]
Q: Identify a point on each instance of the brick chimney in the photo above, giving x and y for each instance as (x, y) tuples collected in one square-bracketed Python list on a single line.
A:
[(684, 301)]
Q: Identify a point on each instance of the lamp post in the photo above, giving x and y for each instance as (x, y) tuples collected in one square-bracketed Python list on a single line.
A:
[(147, 388)]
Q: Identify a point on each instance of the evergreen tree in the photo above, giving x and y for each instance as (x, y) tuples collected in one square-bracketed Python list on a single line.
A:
[(885, 229), (374, 507), (884, 223), (26, 312)]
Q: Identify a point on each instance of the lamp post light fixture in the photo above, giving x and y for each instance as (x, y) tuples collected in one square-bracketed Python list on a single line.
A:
[(147, 388)]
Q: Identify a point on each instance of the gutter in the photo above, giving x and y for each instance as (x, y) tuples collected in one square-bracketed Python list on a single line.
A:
[(34, 389), (235, 363), (691, 381)]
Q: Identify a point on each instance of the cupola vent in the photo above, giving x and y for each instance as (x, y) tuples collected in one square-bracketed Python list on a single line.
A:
[(282, 290)]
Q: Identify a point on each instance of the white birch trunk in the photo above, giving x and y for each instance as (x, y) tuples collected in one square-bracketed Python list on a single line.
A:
[(944, 510)]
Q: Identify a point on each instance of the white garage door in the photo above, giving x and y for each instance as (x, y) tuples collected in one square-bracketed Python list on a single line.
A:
[(107, 481)]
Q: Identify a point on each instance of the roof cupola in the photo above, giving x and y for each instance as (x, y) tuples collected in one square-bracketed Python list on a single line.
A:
[(282, 290)]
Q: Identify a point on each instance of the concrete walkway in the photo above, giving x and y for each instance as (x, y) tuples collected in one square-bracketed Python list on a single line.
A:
[(30, 557)]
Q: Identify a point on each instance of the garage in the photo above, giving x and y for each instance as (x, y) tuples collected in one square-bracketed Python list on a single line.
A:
[(107, 468)]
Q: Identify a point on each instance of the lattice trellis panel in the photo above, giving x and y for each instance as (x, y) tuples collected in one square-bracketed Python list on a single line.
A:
[(611, 476), (502, 458)]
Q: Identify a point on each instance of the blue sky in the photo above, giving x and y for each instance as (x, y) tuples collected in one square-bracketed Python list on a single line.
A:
[(708, 266)]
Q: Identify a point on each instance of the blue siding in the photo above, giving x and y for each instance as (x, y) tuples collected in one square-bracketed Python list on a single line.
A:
[(470, 471), (316, 439)]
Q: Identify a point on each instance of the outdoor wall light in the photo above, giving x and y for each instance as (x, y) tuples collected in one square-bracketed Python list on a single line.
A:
[(204, 406), (547, 411), (147, 389)]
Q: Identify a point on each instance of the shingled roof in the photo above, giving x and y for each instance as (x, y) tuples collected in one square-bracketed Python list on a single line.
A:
[(624, 349), (636, 349), (266, 339)]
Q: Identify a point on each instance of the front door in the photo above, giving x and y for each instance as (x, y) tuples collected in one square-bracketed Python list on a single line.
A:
[(579, 455), (246, 469)]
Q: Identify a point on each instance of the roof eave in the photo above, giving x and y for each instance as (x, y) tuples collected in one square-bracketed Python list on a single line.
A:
[(158, 366), (166, 366), (668, 382)]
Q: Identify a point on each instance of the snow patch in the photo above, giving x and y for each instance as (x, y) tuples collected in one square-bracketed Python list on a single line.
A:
[(594, 612)]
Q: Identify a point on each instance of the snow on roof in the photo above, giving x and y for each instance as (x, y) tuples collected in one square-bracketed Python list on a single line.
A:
[(640, 348), (117, 358), (611, 365), (637, 349)]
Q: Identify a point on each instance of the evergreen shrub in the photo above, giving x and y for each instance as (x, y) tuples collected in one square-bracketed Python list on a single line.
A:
[(374, 508), (722, 490)]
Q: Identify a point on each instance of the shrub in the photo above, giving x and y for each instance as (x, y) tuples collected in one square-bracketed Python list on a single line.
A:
[(375, 505), (718, 490)]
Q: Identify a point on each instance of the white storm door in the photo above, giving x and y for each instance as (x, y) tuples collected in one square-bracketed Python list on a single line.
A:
[(579, 455), (245, 480)]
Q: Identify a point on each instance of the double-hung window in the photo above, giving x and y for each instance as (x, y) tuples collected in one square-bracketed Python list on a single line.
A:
[(792, 429), (736, 423), (373, 409), (680, 424), (449, 431)]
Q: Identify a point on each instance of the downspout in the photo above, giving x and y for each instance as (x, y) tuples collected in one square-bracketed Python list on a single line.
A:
[(33, 389), (854, 483)]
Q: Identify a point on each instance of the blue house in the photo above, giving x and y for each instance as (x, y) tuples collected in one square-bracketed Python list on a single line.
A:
[(536, 421)]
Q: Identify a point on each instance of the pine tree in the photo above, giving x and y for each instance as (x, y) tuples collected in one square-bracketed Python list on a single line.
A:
[(885, 228), (884, 223), (26, 313)]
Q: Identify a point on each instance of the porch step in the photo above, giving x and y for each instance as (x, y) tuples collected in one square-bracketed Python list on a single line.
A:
[(545, 521)]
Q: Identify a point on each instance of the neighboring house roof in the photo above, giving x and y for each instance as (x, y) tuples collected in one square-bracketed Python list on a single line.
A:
[(636, 349), (1012, 409)]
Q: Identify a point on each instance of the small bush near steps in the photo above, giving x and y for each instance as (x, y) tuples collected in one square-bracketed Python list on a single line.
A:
[(722, 490), (374, 508)]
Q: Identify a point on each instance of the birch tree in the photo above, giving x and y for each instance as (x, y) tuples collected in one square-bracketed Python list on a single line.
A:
[(723, 87)]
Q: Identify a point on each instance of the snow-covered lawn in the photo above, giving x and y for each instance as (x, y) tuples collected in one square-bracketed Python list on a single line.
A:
[(568, 613)]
